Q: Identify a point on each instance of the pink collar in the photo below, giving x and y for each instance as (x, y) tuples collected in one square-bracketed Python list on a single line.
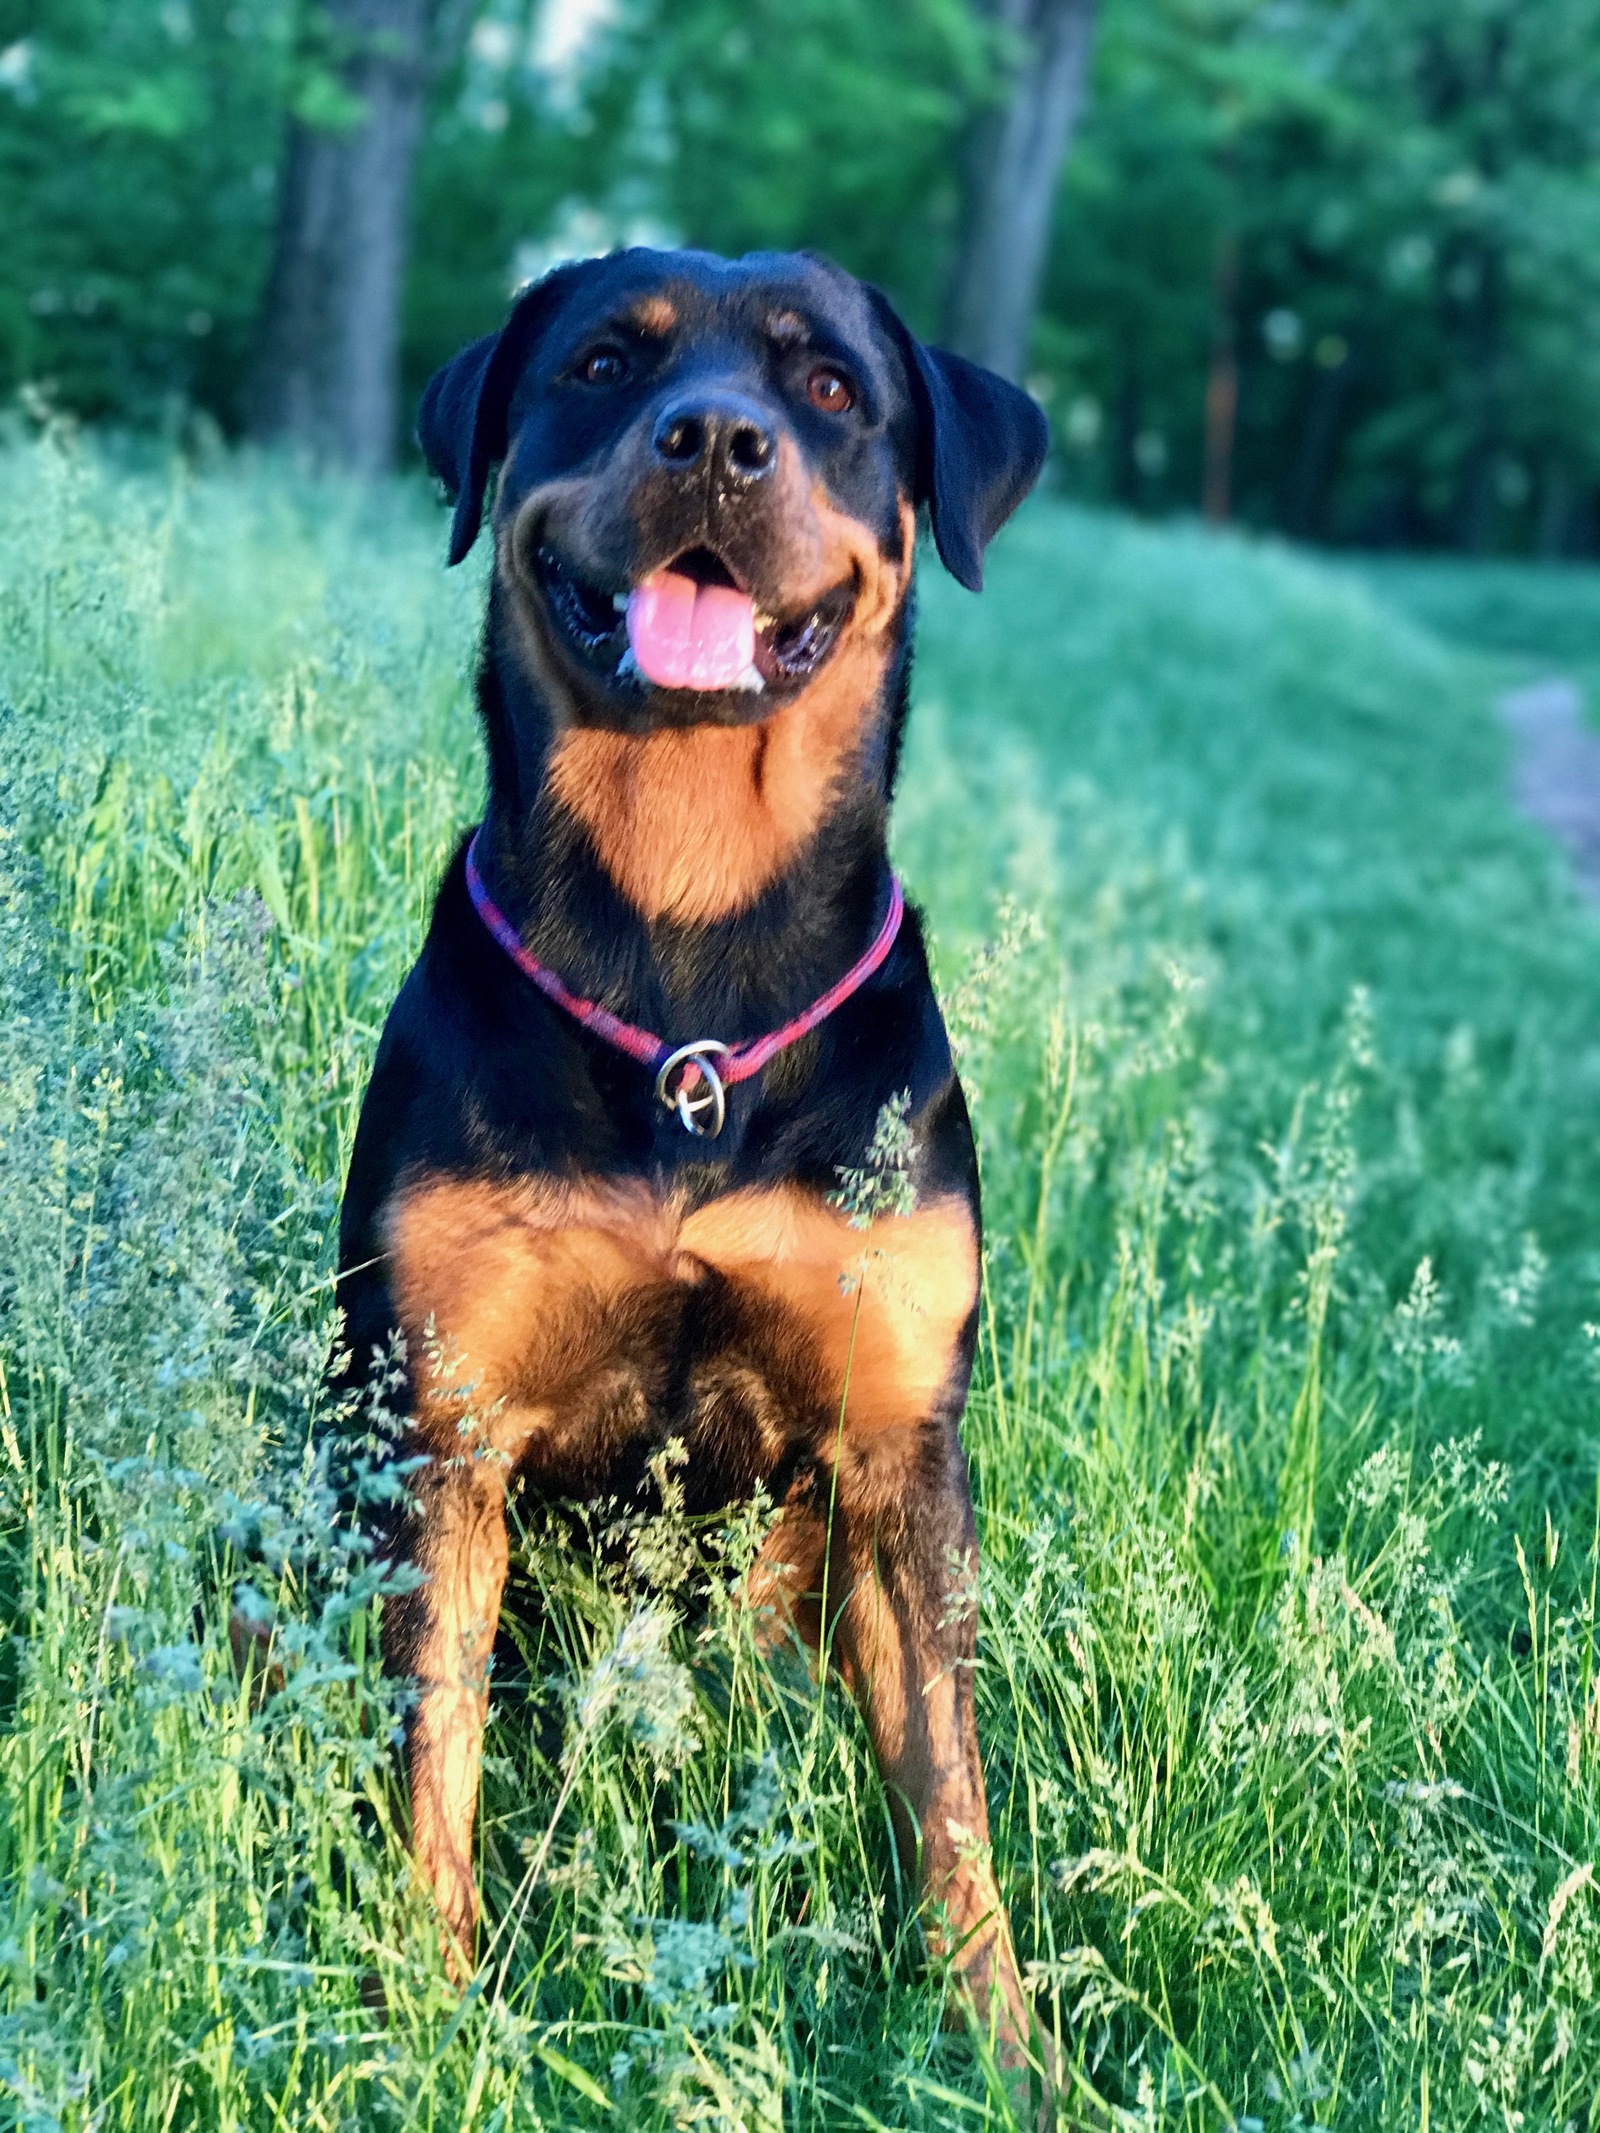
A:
[(686, 1081)]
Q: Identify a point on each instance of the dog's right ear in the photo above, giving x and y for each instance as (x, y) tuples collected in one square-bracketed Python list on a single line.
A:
[(461, 424)]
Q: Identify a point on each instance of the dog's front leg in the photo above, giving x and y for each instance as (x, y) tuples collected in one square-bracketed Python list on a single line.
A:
[(442, 1635), (901, 1593)]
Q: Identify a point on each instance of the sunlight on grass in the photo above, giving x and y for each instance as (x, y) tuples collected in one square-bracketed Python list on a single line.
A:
[(1284, 1038)]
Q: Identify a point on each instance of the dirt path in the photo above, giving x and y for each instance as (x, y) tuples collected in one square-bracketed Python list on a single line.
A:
[(1558, 770)]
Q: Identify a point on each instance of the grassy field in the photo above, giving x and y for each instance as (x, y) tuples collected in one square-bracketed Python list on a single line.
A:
[(1545, 618), (1284, 1035)]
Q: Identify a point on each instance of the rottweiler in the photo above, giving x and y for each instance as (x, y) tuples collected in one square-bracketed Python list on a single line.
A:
[(670, 997)]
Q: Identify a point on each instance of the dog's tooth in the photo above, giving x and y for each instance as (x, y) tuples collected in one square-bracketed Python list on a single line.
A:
[(761, 621), (620, 602), (751, 679)]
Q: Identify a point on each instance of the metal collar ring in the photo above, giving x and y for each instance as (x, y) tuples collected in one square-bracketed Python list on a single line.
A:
[(702, 1107)]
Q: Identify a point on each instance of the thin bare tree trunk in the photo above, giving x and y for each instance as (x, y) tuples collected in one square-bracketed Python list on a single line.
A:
[(1015, 155), (326, 372), (1222, 382), (1311, 475)]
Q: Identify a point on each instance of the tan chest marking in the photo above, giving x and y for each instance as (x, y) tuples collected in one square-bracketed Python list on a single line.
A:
[(693, 823), (506, 1293), (529, 1289), (884, 1306)]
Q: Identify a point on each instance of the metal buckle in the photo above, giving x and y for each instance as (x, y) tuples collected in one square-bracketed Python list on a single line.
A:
[(702, 1111)]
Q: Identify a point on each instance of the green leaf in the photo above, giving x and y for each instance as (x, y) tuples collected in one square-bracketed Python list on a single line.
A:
[(268, 873), (574, 2076)]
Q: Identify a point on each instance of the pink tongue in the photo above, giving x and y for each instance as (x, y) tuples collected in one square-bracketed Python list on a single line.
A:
[(689, 636)]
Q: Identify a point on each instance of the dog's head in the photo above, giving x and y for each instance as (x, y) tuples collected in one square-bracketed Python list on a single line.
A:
[(709, 474)]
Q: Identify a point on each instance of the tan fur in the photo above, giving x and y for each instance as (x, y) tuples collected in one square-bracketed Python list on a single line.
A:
[(518, 1284), (466, 1558), (924, 1738), (508, 1275), (931, 1761), (503, 1295), (506, 1295), (655, 315), (783, 1586), (692, 823), (884, 1305), (916, 1696)]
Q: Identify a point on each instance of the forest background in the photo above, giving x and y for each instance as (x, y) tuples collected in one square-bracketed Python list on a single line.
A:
[(1325, 266)]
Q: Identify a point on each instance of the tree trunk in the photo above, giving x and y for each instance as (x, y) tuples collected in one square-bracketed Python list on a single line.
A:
[(1316, 459), (1557, 495), (1127, 423), (326, 371), (1483, 394), (1015, 155), (1222, 383)]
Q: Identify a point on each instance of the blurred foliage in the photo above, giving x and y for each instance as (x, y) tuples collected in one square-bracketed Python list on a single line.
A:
[(1410, 190), (839, 138), (1412, 186), (138, 160)]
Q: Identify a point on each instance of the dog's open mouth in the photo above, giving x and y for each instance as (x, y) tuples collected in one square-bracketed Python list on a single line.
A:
[(691, 626)]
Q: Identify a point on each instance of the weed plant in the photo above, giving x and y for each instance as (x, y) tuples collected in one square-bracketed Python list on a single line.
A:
[(1282, 1035)]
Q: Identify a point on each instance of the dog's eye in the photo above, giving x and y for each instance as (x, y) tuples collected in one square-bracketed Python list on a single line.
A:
[(603, 366), (826, 389)]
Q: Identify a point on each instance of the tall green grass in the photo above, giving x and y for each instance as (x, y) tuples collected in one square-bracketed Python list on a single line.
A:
[(1283, 1039)]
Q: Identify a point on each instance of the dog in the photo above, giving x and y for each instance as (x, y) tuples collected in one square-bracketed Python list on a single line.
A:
[(670, 993)]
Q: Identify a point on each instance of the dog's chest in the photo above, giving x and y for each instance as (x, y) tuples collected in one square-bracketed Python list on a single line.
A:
[(561, 1325)]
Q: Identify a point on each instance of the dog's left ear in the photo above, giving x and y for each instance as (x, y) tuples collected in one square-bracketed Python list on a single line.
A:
[(979, 447), (461, 424)]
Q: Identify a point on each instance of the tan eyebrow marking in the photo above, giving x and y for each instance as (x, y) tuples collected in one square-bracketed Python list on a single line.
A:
[(787, 327), (655, 315)]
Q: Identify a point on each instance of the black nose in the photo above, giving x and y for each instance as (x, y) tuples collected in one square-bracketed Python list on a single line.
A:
[(716, 432)]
